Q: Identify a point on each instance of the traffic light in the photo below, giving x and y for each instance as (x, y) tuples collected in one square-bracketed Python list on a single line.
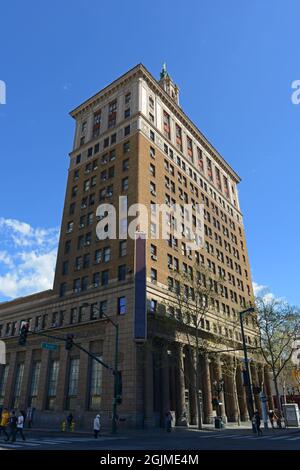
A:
[(69, 342), (23, 334)]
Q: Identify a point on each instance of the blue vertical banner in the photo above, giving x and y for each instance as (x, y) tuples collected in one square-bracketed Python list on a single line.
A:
[(140, 301)]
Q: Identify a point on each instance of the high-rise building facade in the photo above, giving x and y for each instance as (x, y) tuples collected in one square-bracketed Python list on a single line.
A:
[(133, 140)]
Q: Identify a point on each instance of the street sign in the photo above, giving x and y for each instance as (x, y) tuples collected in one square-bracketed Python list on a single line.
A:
[(50, 346)]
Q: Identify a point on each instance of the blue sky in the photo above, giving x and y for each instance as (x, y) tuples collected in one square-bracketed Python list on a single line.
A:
[(234, 62)]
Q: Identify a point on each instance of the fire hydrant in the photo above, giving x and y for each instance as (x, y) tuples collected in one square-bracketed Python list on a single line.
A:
[(63, 426), (72, 427)]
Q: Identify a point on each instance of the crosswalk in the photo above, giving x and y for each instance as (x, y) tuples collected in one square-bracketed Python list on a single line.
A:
[(249, 436), (55, 441)]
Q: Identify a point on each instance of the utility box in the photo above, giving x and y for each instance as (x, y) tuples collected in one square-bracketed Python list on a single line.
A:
[(291, 414)]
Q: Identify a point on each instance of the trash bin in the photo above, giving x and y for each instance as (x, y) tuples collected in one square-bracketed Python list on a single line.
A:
[(218, 422)]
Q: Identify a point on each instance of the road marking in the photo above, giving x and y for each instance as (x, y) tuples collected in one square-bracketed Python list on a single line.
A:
[(293, 438)]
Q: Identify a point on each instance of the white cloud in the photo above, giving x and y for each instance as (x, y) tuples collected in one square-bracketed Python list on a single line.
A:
[(264, 292), (27, 263)]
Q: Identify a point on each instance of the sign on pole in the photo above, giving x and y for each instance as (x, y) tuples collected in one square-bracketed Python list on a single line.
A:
[(50, 346)]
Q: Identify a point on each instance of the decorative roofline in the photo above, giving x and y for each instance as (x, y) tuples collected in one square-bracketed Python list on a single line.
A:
[(140, 71)]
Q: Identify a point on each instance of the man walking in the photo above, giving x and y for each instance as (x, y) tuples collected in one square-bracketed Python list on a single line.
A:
[(12, 426), (97, 426), (257, 421), (4, 422), (20, 425)]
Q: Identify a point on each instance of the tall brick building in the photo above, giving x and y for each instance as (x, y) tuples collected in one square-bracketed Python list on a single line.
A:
[(132, 139)]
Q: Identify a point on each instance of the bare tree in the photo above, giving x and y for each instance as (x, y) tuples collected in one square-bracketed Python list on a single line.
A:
[(278, 327), (192, 297)]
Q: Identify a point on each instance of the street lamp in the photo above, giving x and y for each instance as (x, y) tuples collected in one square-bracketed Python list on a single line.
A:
[(247, 371), (116, 372)]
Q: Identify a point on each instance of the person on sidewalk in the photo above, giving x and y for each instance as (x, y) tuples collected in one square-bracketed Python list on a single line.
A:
[(4, 422), (20, 425), (97, 426), (12, 426), (168, 421), (257, 421), (272, 418)]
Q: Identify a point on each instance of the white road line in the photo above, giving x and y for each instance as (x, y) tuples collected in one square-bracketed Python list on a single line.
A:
[(293, 438), (11, 446)]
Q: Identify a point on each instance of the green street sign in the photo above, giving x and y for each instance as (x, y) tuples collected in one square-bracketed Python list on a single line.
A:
[(50, 346)]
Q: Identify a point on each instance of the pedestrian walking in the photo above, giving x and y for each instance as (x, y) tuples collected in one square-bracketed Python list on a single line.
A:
[(20, 425), (168, 421), (272, 418), (97, 426), (4, 422), (257, 421), (12, 425)]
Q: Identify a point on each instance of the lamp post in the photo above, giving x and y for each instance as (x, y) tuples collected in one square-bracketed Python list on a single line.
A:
[(247, 370), (115, 371)]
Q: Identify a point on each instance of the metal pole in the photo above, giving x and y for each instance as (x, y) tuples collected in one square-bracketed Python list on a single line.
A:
[(248, 380), (116, 382)]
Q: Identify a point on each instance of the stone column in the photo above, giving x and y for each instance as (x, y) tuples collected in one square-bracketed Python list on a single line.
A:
[(242, 397), (165, 379), (26, 382), (43, 382), (181, 419), (148, 388), (83, 385), (268, 388), (229, 391), (9, 389), (217, 366), (206, 391), (192, 385)]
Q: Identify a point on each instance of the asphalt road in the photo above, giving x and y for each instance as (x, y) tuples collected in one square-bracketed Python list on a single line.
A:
[(187, 439)]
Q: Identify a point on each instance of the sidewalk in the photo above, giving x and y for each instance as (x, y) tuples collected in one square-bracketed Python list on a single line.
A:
[(228, 429)]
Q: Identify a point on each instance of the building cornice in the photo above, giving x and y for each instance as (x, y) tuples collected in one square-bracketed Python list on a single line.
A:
[(140, 71)]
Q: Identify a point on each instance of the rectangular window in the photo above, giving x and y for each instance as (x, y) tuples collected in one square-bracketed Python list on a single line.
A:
[(153, 275), (52, 384), (121, 305), (106, 254), (95, 384), (98, 256), (178, 137), (122, 272), (125, 184), (97, 123), (104, 278), (73, 316), (103, 308), (125, 165), (126, 147), (72, 383), (190, 148), (167, 130), (18, 385), (122, 248), (112, 113), (96, 280), (35, 377)]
